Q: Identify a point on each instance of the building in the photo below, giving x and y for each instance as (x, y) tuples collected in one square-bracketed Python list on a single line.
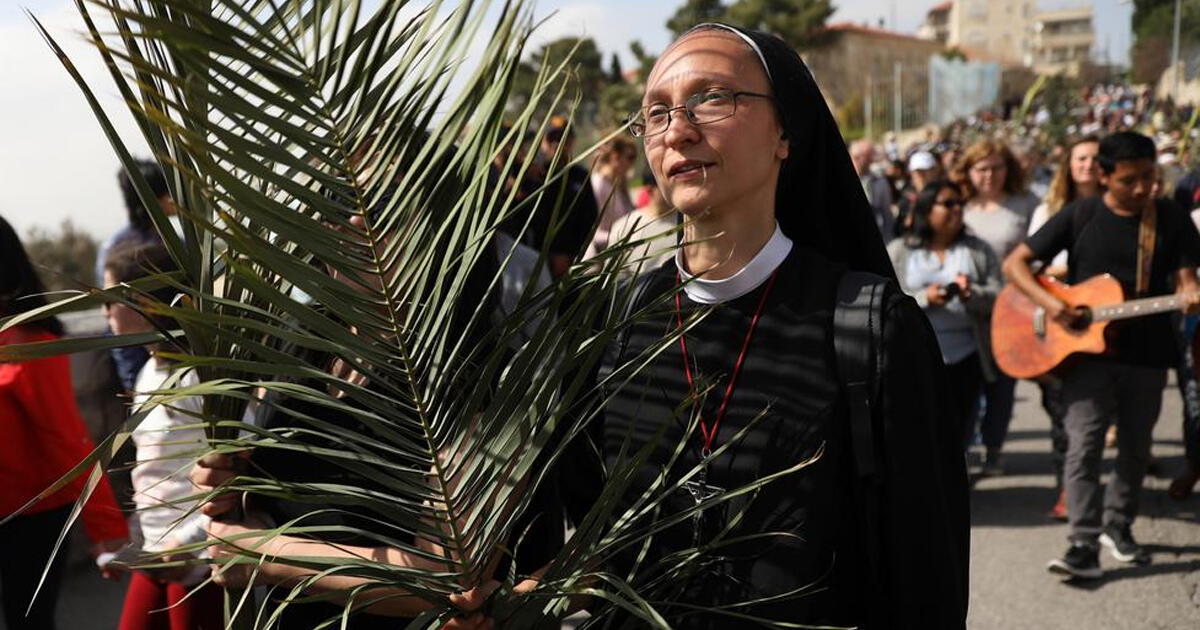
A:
[(1016, 33), (858, 66), (937, 24), (1000, 30), (1063, 41)]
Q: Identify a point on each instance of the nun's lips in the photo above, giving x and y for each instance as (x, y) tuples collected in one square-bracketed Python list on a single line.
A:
[(688, 168)]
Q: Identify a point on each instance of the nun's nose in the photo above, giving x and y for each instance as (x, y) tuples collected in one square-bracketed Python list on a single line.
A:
[(681, 130)]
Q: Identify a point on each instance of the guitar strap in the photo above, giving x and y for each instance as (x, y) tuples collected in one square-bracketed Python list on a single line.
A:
[(1145, 252)]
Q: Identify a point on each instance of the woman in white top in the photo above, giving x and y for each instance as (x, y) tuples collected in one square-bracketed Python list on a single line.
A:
[(997, 211), (654, 224), (168, 438), (610, 184), (1078, 177)]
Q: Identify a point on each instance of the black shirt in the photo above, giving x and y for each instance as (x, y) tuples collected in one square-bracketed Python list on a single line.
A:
[(569, 232), (1100, 241)]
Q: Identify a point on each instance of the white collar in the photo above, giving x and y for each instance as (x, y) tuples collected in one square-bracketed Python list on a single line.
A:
[(747, 279)]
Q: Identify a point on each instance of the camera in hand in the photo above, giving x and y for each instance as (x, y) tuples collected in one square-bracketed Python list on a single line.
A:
[(951, 290)]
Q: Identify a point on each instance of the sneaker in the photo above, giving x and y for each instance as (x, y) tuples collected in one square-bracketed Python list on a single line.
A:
[(1119, 541), (993, 464), (1082, 561)]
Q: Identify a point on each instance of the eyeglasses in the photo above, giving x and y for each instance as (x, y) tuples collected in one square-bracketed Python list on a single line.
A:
[(951, 204), (700, 108)]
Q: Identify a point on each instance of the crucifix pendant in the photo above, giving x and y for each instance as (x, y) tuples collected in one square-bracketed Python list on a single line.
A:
[(700, 491)]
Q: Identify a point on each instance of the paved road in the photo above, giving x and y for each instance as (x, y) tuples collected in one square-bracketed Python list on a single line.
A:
[(1012, 540)]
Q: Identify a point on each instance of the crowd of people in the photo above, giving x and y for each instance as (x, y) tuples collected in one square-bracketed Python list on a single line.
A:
[(982, 206), (746, 165)]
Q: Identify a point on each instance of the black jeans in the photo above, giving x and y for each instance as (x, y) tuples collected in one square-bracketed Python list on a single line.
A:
[(25, 545), (966, 382), (1052, 403)]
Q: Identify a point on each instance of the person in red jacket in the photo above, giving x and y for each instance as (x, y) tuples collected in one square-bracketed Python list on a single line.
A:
[(42, 437)]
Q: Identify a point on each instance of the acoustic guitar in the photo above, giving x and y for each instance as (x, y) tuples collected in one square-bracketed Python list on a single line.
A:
[(1027, 343)]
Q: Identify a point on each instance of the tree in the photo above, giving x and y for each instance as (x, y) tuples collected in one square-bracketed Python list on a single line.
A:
[(1153, 31), (799, 22), (954, 53), (617, 102), (615, 73), (65, 260), (584, 76), (645, 61), (695, 12)]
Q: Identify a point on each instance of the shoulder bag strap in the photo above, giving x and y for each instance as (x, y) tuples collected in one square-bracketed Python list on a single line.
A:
[(1147, 230)]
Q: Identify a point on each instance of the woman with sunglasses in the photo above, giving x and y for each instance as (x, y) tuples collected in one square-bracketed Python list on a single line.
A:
[(955, 277)]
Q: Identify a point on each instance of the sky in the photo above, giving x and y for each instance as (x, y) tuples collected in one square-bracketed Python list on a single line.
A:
[(56, 164)]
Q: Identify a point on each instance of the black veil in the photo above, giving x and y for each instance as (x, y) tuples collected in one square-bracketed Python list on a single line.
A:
[(819, 203)]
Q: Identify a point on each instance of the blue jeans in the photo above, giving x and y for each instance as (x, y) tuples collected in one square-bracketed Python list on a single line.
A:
[(1185, 375)]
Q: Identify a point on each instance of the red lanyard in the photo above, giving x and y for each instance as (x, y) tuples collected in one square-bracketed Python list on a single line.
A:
[(710, 435)]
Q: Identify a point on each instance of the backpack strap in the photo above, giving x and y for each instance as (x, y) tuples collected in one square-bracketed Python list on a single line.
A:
[(637, 294), (857, 340), (857, 336)]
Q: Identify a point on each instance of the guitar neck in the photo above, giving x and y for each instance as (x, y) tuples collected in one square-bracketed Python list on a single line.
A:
[(1136, 308)]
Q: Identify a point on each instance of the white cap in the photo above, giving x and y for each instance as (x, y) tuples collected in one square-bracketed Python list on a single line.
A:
[(921, 161)]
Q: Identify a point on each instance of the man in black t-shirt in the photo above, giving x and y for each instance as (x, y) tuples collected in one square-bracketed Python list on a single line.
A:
[(1101, 235)]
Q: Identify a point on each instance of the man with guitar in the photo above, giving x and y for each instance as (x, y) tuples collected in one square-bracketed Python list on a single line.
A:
[(1149, 246)]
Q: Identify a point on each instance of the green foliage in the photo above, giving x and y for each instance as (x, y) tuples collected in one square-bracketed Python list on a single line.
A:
[(797, 21), (695, 12), (1153, 32), (850, 115), (583, 80), (617, 102), (954, 53), (645, 61), (65, 260), (615, 73)]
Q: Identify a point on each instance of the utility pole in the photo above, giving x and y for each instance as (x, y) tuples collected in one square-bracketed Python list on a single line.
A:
[(897, 98), (869, 105), (1175, 69)]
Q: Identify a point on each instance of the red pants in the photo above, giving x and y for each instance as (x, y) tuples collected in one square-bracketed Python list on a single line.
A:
[(154, 605)]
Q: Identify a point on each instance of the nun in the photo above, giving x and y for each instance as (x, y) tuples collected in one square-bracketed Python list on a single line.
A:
[(743, 145)]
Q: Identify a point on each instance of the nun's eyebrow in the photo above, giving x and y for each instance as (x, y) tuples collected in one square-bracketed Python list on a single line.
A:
[(691, 82)]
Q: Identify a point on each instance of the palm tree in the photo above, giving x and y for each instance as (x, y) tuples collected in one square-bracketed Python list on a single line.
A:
[(335, 167)]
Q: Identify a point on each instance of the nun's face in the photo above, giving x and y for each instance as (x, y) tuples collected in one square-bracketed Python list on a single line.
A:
[(726, 165)]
